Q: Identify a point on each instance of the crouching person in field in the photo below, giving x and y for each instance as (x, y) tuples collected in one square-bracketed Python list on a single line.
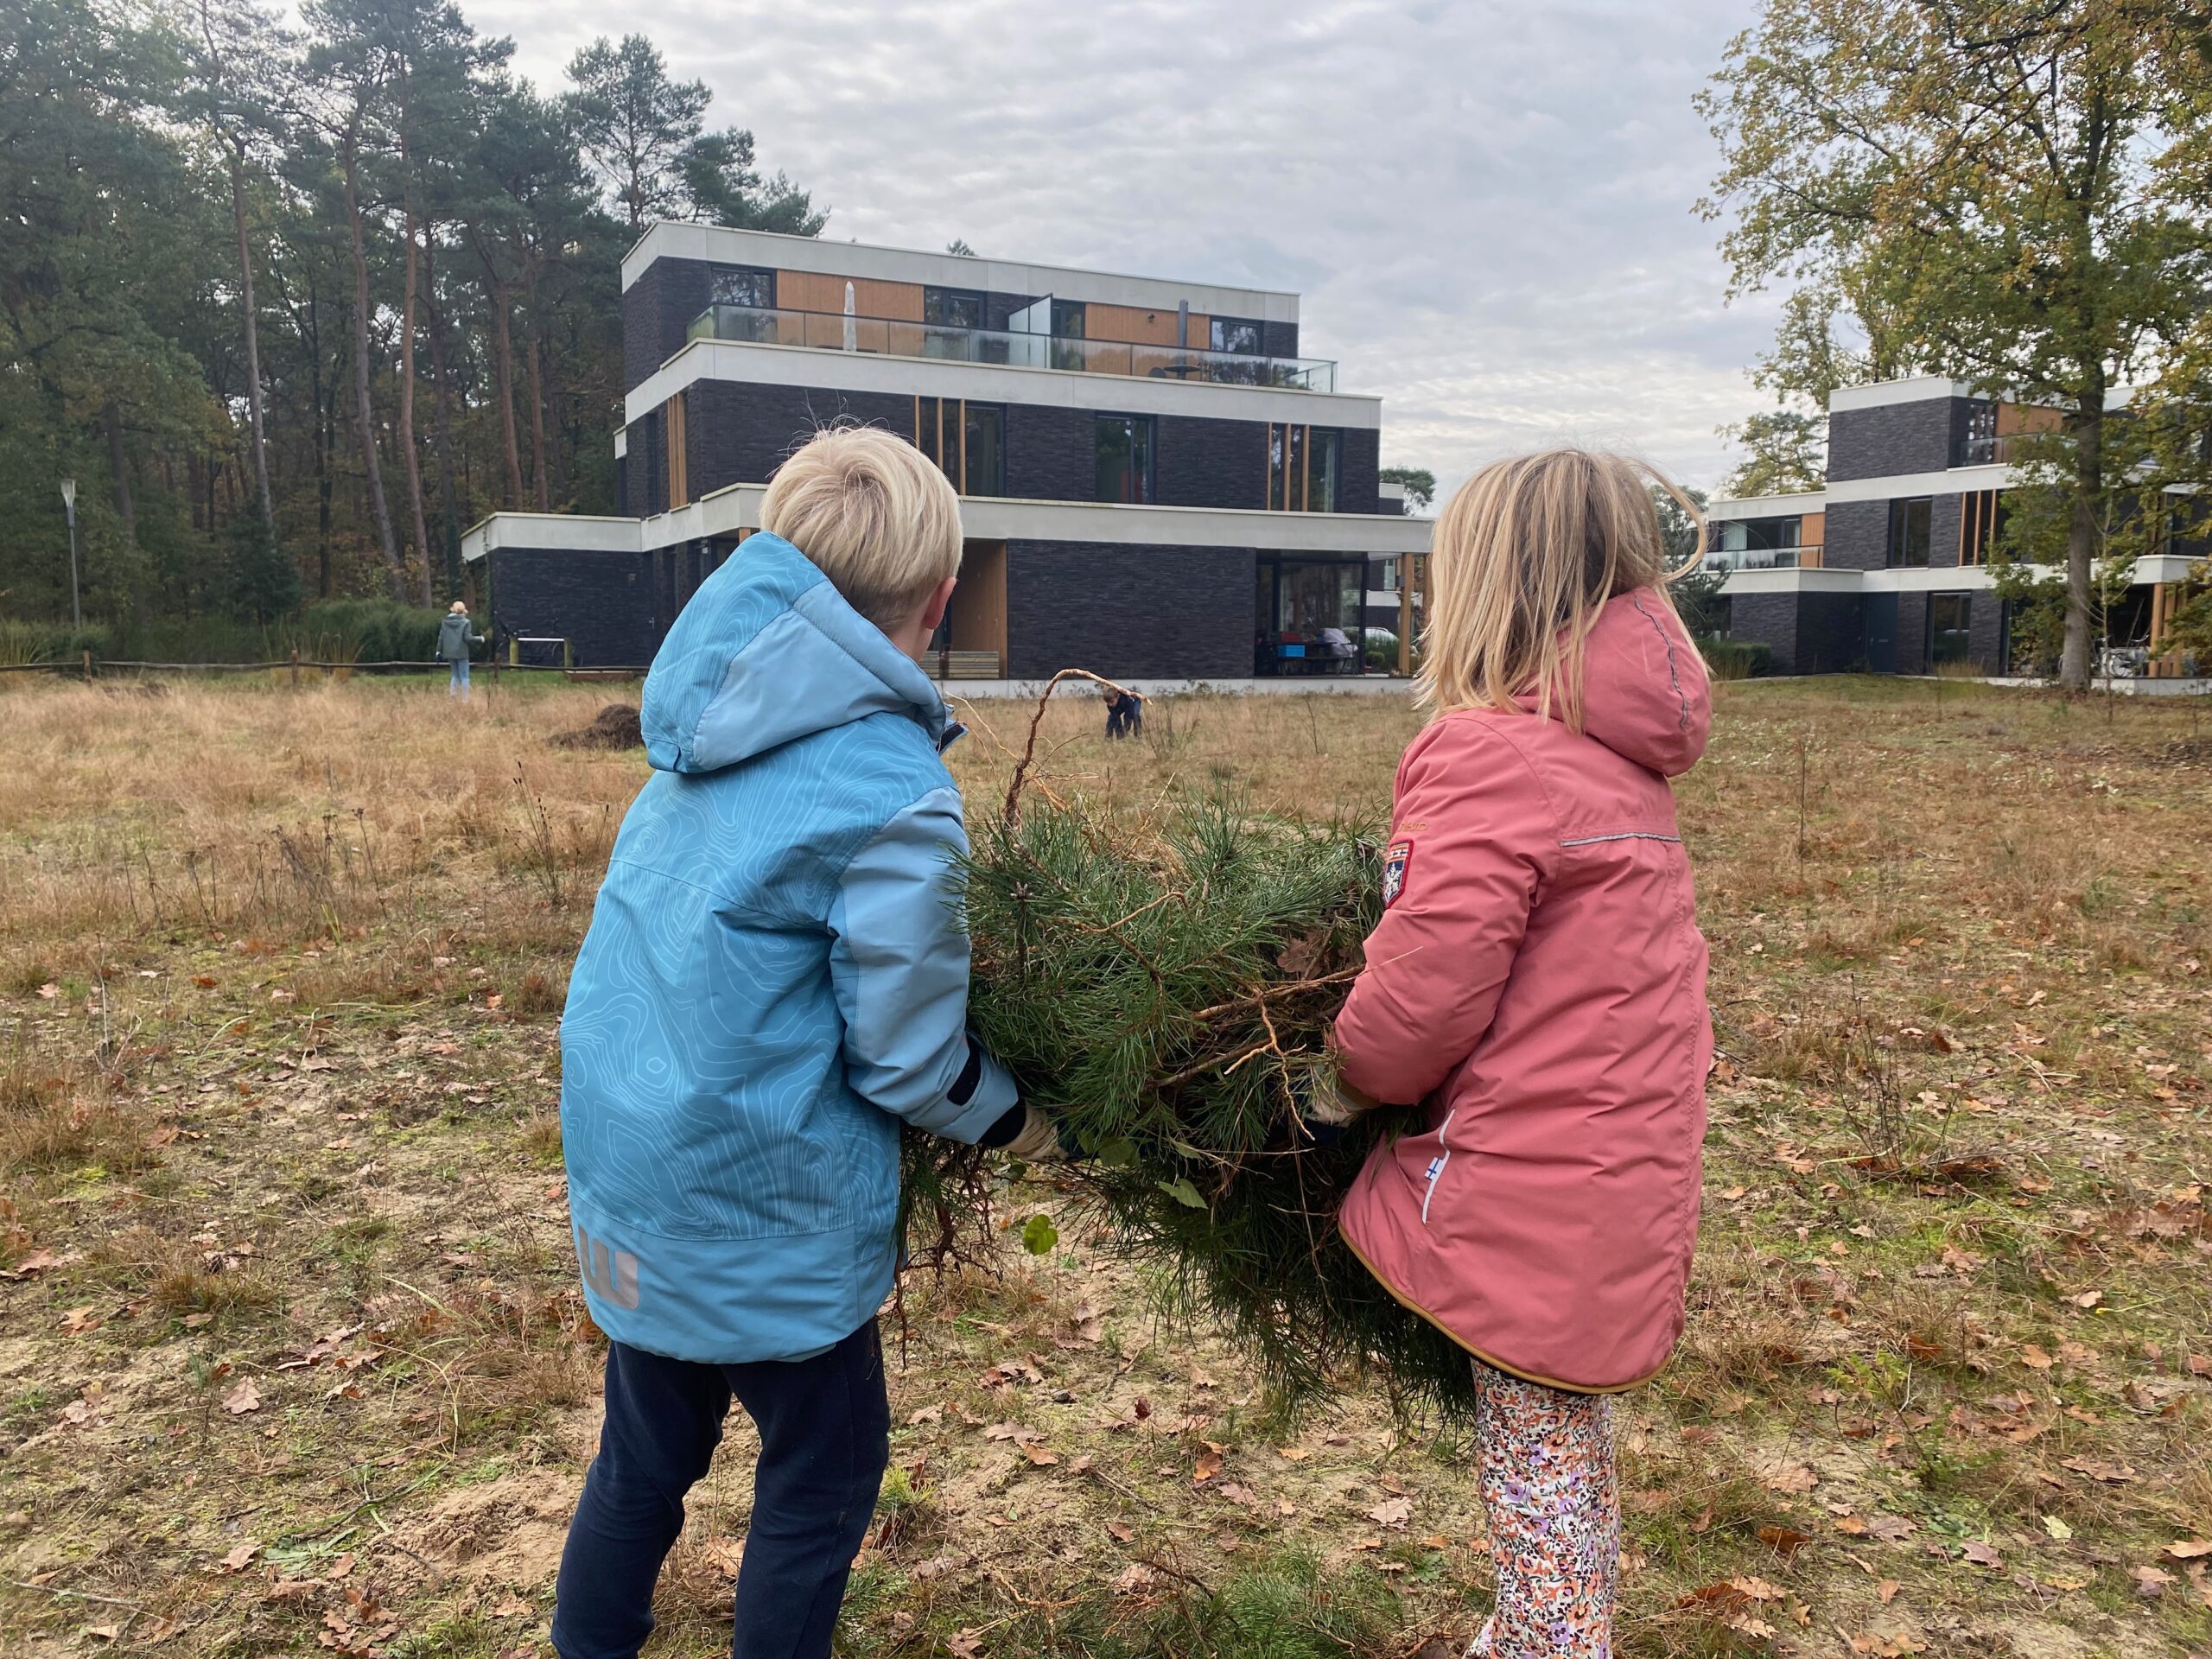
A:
[(775, 976)]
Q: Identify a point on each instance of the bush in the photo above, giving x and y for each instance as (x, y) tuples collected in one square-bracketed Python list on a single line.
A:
[(49, 642), (371, 630), (1382, 649), (1736, 659)]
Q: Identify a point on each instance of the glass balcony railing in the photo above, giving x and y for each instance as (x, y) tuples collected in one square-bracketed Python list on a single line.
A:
[(827, 331), (1759, 558), (1981, 449)]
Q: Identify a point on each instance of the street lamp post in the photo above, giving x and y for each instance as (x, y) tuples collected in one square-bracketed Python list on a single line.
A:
[(69, 506)]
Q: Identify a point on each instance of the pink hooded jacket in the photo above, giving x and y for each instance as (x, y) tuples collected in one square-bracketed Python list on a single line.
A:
[(1538, 982)]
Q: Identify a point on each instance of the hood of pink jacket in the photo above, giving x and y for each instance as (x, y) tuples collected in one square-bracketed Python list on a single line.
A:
[(1645, 692)]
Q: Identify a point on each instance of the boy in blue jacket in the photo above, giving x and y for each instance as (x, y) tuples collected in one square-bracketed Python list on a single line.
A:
[(775, 975)]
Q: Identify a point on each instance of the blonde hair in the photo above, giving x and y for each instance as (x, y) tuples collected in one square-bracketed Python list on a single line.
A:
[(459, 604), (1525, 554), (875, 517)]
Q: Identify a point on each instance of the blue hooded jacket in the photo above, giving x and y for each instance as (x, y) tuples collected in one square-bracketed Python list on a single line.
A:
[(776, 974)]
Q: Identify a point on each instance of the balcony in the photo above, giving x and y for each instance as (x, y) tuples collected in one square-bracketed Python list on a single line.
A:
[(1762, 558), (830, 331), (1982, 448)]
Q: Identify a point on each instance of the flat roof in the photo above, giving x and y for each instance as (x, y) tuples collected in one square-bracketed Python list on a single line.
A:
[(719, 245)]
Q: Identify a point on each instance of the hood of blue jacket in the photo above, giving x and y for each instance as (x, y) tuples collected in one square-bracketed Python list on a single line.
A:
[(767, 651)]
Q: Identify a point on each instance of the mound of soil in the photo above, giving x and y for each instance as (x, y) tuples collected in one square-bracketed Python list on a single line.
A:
[(614, 727)]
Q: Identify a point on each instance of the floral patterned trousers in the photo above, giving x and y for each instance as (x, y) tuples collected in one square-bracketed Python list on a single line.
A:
[(1555, 1512)]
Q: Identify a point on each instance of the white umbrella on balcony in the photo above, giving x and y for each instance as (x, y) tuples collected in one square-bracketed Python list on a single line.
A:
[(852, 330)]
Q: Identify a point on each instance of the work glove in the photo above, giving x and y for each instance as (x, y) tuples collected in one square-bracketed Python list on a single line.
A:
[(1038, 1141), (1329, 1097)]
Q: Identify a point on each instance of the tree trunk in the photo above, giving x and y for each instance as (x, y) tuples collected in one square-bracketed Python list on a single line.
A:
[(364, 414), (118, 462), (503, 372), (448, 493), (2076, 663), (407, 400), (253, 336), (537, 425)]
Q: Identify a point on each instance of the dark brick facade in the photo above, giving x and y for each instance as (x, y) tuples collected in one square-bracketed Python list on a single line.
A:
[(1915, 437), (656, 310), (1808, 632), (1858, 535), (1359, 488), (741, 432), (1207, 463), (1276, 338), (1138, 612), (1944, 513), (604, 603), (1052, 454)]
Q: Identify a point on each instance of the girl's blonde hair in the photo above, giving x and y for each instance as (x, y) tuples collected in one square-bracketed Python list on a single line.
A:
[(1525, 554), (873, 514)]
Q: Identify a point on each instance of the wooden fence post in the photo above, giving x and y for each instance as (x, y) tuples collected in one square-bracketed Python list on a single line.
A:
[(296, 668), (88, 667)]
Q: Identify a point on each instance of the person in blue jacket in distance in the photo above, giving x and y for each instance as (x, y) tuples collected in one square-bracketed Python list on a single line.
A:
[(775, 978)]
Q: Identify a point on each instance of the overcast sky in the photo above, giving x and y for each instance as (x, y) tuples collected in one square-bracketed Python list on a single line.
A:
[(1485, 204)]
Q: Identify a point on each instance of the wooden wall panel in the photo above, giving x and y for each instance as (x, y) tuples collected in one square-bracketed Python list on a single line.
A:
[(978, 614), (1201, 330), (2026, 417), (810, 291), (1813, 530), (1126, 323)]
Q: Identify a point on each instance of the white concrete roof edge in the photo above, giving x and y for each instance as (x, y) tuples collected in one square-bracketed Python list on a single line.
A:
[(749, 362), (670, 239)]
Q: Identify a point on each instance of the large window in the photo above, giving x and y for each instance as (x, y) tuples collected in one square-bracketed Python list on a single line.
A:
[(1307, 616), (1068, 319), (1909, 531), (952, 307), (741, 285), (985, 462), (1124, 444), (968, 440), (1949, 636), (1759, 535), (1236, 334), (1303, 467)]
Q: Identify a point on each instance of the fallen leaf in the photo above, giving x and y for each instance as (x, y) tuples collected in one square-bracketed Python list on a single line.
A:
[(926, 1414), (2057, 1527), (2151, 1582), (1293, 1453), (1120, 1532), (244, 1398), (1392, 1512), (1886, 1590), (1981, 1555), (1038, 1454), (1208, 1465), (236, 1559), (1787, 1475), (2035, 1357), (1784, 1542), (2188, 1550)]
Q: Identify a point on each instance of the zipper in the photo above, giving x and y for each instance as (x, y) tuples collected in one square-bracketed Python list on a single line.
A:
[(1436, 1165)]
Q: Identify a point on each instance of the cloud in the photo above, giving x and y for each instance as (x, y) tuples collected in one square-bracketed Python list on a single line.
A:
[(1487, 207)]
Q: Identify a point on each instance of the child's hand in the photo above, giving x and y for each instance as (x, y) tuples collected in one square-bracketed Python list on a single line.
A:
[(1330, 1099)]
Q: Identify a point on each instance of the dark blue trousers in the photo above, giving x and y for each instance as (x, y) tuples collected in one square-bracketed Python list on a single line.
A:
[(826, 1437)]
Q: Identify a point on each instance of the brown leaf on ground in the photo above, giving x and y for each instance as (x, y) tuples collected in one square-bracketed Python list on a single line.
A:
[(244, 1398), (236, 1559), (1208, 1465), (1393, 1512), (1786, 1475)]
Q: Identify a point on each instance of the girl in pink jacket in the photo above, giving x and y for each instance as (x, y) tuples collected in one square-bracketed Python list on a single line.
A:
[(1537, 981)]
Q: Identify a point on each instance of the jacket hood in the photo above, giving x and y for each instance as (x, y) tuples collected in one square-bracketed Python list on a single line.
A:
[(767, 651), (1644, 691)]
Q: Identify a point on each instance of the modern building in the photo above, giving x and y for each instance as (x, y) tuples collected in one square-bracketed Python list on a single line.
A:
[(1886, 569), (1155, 484)]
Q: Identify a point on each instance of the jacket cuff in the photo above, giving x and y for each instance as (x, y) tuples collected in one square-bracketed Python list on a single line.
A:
[(984, 1093)]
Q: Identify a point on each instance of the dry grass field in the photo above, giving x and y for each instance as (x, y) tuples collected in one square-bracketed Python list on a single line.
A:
[(292, 1359)]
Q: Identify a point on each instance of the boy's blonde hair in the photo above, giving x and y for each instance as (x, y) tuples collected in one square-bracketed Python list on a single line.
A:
[(1525, 554), (874, 515)]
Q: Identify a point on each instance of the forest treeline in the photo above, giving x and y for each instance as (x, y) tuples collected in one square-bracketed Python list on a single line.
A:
[(294, 308)]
